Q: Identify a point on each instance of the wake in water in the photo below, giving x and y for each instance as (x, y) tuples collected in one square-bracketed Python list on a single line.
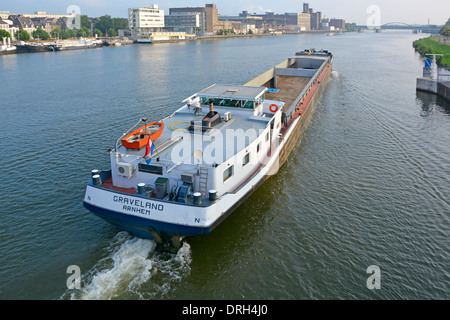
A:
[(133, 269)]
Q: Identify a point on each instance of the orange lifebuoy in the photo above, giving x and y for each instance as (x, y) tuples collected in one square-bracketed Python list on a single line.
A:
[(273, 105)]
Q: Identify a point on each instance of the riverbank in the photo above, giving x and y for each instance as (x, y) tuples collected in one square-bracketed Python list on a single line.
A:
[(41, 46), (232, 36), (431, 45)]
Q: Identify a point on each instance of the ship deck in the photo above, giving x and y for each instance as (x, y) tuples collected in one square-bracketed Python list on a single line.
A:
[(176, 126), (289, 88)]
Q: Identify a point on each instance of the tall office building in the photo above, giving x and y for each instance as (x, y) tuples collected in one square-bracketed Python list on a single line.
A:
[(188, 22), (305, 7), (209, 16), (316, 18)]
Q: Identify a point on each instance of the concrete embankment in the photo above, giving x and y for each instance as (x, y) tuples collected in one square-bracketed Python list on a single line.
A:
[(440, 88)]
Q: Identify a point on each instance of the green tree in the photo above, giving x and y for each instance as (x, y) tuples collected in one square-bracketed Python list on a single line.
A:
[(56, 33), (40, 34), (83, 32), (71, 34), (111, 32), (445, 31), (4, 34), (22, 35), (67, 34), (98, 32), (63, 34), (351, 27), (105, 23), (119, 23), (85, 22)]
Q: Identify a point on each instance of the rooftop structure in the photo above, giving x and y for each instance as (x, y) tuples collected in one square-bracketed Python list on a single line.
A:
[(227, 92)]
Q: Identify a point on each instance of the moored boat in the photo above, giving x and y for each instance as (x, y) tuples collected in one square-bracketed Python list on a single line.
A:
[(79, 44)]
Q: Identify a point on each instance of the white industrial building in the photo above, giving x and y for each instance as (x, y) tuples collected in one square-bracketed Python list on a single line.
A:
[(145, 20)]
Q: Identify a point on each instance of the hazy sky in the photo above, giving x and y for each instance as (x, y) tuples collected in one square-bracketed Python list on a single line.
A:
[(408, 11)]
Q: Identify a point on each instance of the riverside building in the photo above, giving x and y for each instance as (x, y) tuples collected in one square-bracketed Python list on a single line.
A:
[(146, 20), (209, 16)]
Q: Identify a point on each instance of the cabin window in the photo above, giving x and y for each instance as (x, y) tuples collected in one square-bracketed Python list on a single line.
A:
[(230, 103), (235, 103), (204, 100), (246, 159), (258, 147), (227, 173), (267, 136), (249, 105)]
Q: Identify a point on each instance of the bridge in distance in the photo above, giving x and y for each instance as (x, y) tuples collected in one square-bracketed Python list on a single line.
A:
[(433, 29)]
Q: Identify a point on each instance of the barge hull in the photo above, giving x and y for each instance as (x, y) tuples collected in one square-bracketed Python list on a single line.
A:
[(297, 130)]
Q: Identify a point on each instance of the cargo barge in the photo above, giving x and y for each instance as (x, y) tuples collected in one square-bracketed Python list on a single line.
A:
[(183, 175)]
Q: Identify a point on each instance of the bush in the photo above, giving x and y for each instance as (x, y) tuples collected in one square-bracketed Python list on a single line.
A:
[(83, 32), (445, 31), (40, 34), (98, 33), (4, 34), (111, 32), (22, 35), (430, 45)]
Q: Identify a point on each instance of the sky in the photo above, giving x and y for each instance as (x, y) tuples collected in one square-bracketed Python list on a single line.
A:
[(406, 11)]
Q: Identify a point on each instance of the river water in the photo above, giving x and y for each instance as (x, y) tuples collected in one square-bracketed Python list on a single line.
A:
[(367, 186)]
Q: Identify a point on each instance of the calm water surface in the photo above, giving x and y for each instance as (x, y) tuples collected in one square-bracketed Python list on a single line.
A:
[(367, 185)]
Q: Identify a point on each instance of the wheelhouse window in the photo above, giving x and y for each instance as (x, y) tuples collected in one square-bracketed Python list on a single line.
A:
[(249, 105), (234, 103), (227, 173)]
